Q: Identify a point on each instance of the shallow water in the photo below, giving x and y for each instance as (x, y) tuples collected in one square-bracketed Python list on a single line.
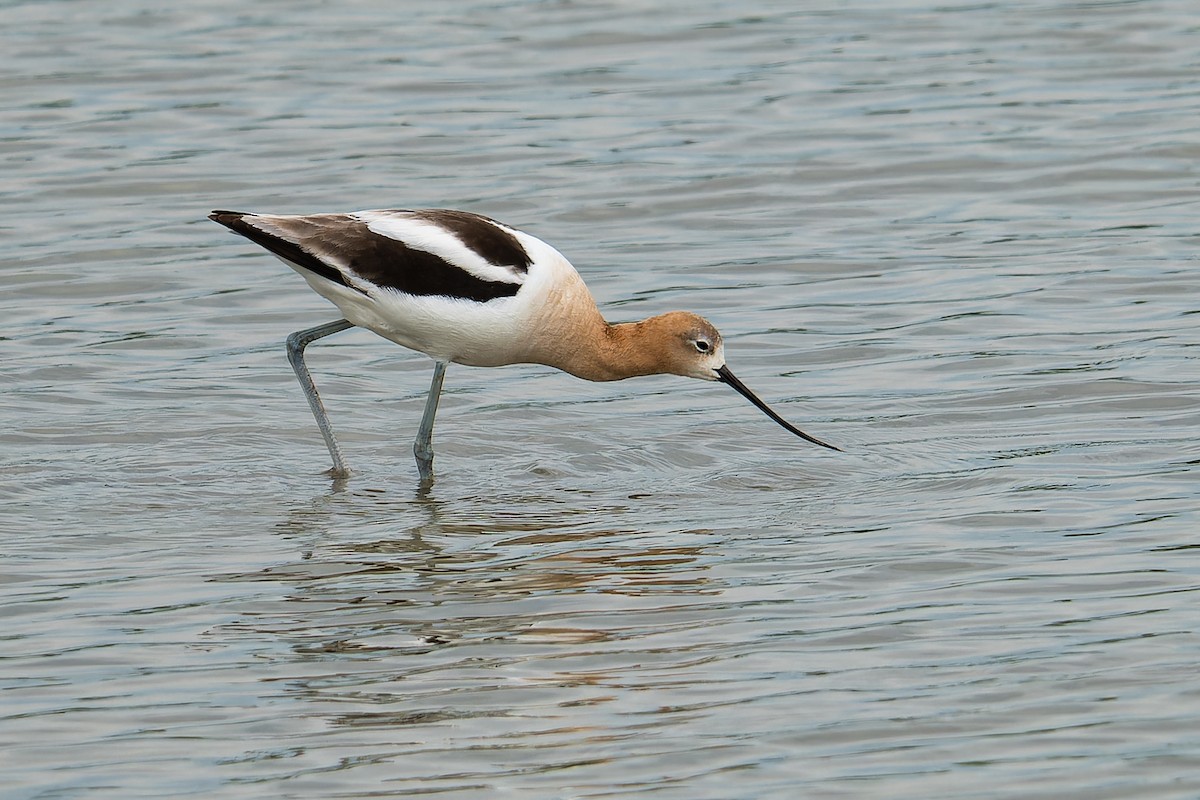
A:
[(958, 240)]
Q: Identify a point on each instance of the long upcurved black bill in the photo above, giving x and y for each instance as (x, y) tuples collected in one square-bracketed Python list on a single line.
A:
[(725, 376)]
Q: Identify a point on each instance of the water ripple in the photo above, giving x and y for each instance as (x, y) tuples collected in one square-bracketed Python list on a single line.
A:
[(957, 240)]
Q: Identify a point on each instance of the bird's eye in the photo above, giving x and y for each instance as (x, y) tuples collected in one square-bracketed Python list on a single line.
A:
[(702, 345)]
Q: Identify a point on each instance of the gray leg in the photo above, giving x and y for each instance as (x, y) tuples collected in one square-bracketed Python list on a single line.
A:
[(423, 446), (295, 349)]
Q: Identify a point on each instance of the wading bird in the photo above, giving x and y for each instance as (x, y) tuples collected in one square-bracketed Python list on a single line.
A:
[(466, 289)]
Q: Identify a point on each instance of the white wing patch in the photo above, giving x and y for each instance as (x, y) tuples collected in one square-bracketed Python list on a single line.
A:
[(420, 234)]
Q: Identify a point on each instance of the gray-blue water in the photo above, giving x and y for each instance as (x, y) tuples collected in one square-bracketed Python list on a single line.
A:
[(957, 239)]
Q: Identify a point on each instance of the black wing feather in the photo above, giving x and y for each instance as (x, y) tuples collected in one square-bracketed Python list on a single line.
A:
[(320, 242)]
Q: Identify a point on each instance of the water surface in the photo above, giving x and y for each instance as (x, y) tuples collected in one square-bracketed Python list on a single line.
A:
[(958, 240)]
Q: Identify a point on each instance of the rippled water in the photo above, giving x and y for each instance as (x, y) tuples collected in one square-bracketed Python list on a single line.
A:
[(959, 240)]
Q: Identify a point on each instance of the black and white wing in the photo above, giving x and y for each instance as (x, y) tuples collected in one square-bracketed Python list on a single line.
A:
[(439, 252)]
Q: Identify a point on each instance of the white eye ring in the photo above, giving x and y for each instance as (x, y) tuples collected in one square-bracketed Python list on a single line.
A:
[(702, 345)]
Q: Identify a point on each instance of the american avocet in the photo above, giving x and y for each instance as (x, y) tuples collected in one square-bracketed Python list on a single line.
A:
[(466, 289)]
